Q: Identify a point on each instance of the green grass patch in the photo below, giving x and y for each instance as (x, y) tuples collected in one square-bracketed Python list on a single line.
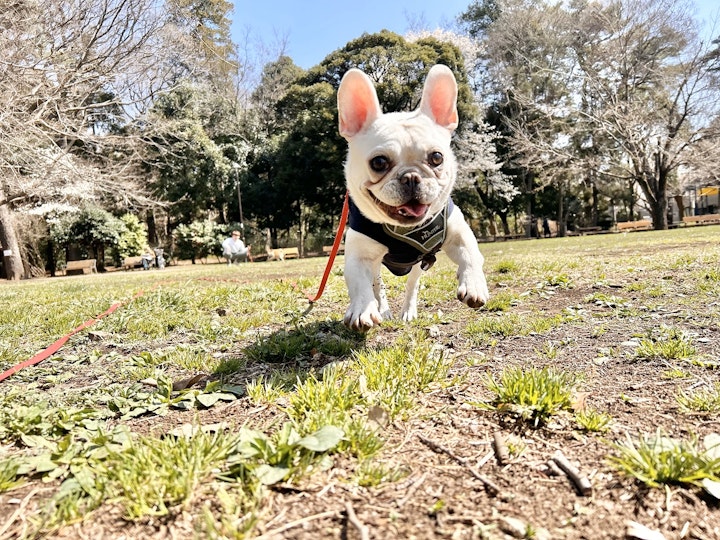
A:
[(665, 344), (486, 327), (535, 394), (660, 460), (706, 399)]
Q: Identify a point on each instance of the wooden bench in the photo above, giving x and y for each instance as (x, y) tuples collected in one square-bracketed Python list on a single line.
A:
[(639, 225), (130, 263), (85, 266), (280, 254), (588, 230), (328, 249), (705, 219)]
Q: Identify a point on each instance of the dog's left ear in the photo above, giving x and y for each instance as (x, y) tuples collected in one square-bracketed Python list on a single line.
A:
[(439, 99)]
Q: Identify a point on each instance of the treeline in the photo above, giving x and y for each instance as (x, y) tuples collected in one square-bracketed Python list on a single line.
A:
[(133, 122)]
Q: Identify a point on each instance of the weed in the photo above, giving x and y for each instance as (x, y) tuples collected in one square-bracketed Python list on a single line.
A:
[(286, 454), (391, 377), (606, 300), (481, 329), (326, 400), (592, 420), (667, 344), (501, 301), (371, 474), (270, 389), (9, 474), (303, 342), (535, 395), (702, 400), (153, 474), (560, 281), (658, 460), (549, 350), (675, 373), (506, 267)]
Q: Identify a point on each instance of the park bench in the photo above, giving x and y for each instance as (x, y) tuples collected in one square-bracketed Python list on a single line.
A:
[(706, 219), (588, 230), (85, 266), (328, 249), (639, 225), (130, 263), (281, 254)]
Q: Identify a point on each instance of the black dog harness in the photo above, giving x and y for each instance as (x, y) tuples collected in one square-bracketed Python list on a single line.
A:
[(407, 246)]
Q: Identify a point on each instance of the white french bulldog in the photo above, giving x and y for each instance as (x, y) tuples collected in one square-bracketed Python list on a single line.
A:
[(400, 171)]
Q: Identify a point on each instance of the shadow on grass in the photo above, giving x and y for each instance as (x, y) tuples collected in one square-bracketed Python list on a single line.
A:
[(302, 346)]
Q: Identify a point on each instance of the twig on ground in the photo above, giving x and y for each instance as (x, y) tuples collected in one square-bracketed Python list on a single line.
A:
[(582, 484), (18, 512), (436, 447), (501, 451), (359, 525), (297, 522), (411, 490)]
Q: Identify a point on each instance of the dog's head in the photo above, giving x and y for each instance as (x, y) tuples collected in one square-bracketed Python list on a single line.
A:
[(399, 169)]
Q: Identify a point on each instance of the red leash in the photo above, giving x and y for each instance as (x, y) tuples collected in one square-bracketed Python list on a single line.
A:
[(333, 252), (52, 349)]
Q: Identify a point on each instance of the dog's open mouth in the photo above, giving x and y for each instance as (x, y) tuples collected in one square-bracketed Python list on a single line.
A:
[(412, 211)]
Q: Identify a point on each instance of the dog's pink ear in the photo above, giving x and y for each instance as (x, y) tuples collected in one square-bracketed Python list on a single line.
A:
[(358, 104), (439, 99)]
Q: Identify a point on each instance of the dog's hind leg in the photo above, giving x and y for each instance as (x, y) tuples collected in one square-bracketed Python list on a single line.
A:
[(381, 297), (412, 286)]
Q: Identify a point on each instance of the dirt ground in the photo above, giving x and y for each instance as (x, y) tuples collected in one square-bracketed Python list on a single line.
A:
[(453, 484)]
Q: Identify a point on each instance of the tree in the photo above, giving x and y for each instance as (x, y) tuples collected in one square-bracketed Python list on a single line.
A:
[(620, 89), (92, 230), (189, 169), (66, 92), (480, 169)]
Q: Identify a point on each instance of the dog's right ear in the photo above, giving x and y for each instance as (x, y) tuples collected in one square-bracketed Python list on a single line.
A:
[(358, 104)]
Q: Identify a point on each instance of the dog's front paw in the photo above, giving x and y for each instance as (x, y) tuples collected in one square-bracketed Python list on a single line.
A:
[(362, 319), (410, 314), (473, 290)]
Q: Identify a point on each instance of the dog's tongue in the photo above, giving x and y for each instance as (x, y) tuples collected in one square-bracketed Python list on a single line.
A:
[(413, 208)]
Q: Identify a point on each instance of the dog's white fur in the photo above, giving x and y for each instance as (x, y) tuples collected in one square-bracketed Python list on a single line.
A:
[(394, 177)]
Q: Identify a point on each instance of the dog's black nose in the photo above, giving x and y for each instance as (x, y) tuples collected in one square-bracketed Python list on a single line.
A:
[(410, 178)]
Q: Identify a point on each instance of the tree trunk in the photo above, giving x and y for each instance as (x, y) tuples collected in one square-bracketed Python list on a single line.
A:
[(12, 260), (681, 206), (303, 230), (491, 225), (658, 209), (151, 228), (504, 220), (595, 204), (561, 219)]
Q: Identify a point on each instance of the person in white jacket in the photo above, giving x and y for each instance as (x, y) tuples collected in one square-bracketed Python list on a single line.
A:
[(234, 249)]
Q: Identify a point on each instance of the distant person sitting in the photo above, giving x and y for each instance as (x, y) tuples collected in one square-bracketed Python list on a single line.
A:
[(148, 257), (234, 249)]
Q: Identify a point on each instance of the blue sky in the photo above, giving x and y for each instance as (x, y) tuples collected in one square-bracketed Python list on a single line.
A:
[(315, 28)]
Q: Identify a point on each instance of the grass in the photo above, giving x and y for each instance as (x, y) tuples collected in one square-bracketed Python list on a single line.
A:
[(219, 384), (665, 344), (659, 460), (705, 399), (535, 394)]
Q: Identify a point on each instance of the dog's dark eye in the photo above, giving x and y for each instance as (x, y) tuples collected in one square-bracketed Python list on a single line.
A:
[(379, 164), (435, 159)]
